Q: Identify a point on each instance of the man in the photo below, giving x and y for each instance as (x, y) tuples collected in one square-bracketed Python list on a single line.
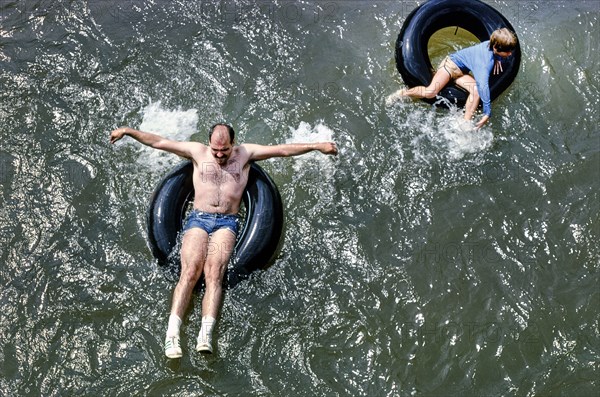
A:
[(220, 176)]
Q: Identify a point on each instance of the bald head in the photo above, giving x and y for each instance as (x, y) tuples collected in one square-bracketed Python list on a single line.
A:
[(221, 131), (220, 141)]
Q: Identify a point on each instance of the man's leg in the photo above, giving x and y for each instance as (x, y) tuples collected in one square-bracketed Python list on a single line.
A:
[(468, 83), (220, 248), (194, 248), (193, 254)]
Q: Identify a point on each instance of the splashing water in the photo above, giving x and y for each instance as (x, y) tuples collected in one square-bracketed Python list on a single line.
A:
[(313, 161), (177, 125), (441, 133), (460, 137), (174, 124)]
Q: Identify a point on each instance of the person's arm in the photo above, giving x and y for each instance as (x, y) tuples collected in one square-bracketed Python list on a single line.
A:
[(482, 78), (183, 149), (261, 152)]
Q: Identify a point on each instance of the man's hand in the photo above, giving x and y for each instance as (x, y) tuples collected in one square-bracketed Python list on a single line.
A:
[(117, 134), (328, 148)]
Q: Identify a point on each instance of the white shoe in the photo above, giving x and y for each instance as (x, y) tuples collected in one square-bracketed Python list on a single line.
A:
[(204, 343), (172, 347)]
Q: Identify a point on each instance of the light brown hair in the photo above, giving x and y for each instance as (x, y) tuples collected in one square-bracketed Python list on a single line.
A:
[(503, 40)]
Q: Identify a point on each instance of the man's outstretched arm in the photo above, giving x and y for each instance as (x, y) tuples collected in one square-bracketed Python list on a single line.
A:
[(182, 149), (261, 152)]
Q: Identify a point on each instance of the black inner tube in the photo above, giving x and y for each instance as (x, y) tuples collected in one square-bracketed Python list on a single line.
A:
[(259, 236), (476, 17)]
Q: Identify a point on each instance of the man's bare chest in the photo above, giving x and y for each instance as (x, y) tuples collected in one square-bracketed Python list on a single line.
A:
[(231, 174)]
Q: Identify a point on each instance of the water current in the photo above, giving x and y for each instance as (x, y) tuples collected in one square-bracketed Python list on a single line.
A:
[(425, 260)]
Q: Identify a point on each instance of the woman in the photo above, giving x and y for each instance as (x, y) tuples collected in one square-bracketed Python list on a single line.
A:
[(482, 60)]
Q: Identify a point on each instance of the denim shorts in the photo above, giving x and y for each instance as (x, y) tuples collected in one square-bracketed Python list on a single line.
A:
[(210, 223)]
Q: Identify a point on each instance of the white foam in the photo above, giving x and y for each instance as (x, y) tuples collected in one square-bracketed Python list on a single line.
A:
[(306, 133), (449, 134), (176, 124), (173, 124), (314, 168), (313, 160), (462, 138)]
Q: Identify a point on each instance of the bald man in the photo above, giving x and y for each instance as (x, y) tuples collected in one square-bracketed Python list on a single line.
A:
[(220, 176)]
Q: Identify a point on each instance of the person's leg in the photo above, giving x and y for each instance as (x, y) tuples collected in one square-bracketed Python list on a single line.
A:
[(440, 79), (220, 248), (443, 75), (193, 254), (468, 83), (194, 248)]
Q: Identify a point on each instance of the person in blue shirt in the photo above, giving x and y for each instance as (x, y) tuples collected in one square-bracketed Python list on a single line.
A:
[(481, 60)]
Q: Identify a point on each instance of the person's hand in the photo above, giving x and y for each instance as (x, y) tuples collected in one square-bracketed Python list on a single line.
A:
[(497, 67), (328, 148), (481, 122), (117, 134)]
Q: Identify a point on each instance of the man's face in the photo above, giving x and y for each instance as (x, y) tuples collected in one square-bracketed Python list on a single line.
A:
[(220, 147)]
